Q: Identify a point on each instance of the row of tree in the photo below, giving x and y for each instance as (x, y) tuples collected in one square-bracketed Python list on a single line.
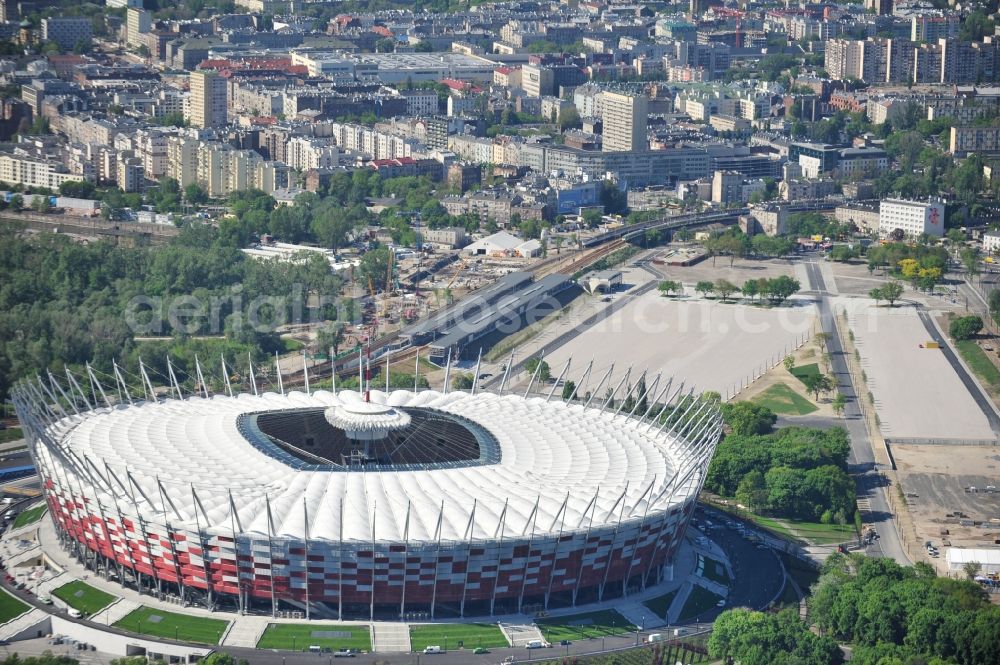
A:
[(776, 290)]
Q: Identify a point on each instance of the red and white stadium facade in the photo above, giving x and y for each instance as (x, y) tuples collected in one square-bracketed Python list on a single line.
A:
[(569, 502)]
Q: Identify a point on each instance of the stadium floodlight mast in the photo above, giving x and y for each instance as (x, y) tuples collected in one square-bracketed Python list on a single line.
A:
[(143, 500)]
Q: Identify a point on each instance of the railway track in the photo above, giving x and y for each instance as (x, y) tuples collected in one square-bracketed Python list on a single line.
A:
[(581, 260)]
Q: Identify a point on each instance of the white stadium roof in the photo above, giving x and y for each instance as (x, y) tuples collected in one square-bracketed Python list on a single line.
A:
[(548, 451)]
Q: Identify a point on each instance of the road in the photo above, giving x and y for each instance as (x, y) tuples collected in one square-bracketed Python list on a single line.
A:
[(861, 462)]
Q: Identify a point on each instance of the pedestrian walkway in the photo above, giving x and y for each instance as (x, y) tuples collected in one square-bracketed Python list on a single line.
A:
[(246, 631), (518, 635), (391, 637), (640, 615), (674, 613), (19, 624), (115, 612), (49, 585)]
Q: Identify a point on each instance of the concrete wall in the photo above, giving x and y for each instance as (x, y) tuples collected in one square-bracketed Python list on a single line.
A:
[(122, 645)]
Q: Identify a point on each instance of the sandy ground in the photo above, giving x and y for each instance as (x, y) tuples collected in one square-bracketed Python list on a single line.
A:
[(806, 354), (741, 271), (939, 476), (917, 393), (710, 346)]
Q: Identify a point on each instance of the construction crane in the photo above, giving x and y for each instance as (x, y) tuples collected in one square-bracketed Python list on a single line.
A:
[(388, 284), (463, 264)]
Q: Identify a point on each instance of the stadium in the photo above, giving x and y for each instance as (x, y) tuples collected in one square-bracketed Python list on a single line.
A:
[(370, 504)]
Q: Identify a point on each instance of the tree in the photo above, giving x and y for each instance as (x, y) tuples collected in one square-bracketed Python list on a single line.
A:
[(195, 195), (971, 569), (782, 287), (544, 373), (569, 119), (747, 418), (752, 492), (569, 387), (374, 268), (750, 288), (704, 288), (817, 383), (41, 204), (971, 257), (462, 381), (330, 336), (667, 286), (725, 288), (16, 202), (875, 294), (965, 327), (839, 403), (789, 363), (891, 291)]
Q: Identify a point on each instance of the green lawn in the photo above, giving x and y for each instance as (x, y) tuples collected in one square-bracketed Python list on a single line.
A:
[(30, 516), (184, 627), (811, 532), (298, 637), (10, 607), (779, 398), (701, 600), (661, 604), (83, 597), (800, 372), (11, 434), (584, 626), (456, 635), (979, 362), (715, 571), (289, 344)]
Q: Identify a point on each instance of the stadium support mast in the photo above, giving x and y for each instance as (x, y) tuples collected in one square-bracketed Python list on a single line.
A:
[(225, 374), (559, 380), (201, 378), (277, 370), (305, 370), (253, 380), (475, 376), (607, 375)]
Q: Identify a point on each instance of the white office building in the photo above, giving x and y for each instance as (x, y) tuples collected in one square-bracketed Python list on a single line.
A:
[(913, 218)]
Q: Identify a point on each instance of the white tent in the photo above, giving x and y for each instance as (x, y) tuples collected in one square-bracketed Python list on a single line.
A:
[(989, 559)]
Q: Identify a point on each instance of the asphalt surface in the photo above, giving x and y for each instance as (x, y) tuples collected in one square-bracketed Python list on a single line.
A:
[(861, 462)]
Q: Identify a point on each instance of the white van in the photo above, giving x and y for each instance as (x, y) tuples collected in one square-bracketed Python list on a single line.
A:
[(680, 631), (535, 644), (655, 637), (434, 649), (74, 613)]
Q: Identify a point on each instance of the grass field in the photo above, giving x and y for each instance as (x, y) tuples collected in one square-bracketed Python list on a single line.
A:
[(779, 398), (800, 372), (701, 600), (661, 604), (811, 532), (456, 635), (298, 637), (584, 626), (30, 516), (184, 627), (10, 607), (11, 434), (83, 597), (979, 362), (715, 571)]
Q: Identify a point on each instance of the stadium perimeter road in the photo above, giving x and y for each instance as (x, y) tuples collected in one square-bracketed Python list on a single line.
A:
[(862, 458)]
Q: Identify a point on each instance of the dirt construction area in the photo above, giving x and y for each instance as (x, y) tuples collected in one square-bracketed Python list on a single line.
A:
[(936, 482), (918, 394), (706, 344)]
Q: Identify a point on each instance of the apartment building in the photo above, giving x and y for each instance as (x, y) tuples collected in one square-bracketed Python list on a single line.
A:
[(207, 104), (625, 117), (67, 31), (16, 169), (912, 218), (965, 140)]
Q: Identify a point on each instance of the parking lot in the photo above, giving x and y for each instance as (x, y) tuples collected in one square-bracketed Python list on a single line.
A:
[(936, 481)]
